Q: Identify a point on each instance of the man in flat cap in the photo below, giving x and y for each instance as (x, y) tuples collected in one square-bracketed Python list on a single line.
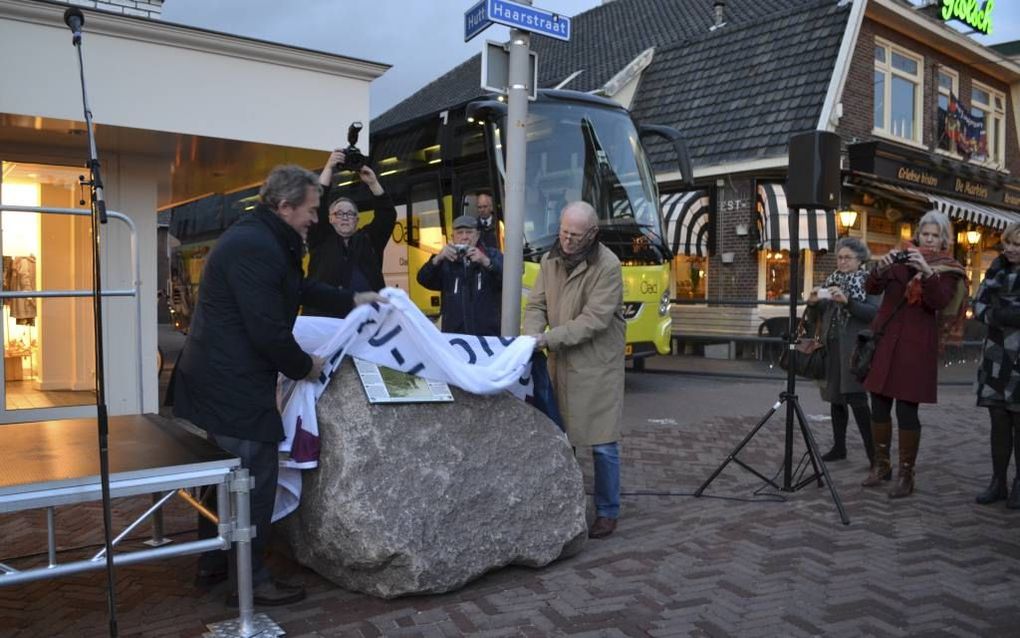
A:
[(470, 277)]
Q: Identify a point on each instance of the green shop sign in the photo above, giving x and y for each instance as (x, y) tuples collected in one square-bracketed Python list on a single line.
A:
[(970, 13)]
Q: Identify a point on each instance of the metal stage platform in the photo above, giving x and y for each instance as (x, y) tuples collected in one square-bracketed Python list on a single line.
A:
[(48, 464)]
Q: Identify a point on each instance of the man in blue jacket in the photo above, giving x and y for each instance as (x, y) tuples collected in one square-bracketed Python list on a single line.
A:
[(470, 276), (241, 338)]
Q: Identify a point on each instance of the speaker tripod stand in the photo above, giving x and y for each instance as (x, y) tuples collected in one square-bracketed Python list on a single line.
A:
[(793, 411)]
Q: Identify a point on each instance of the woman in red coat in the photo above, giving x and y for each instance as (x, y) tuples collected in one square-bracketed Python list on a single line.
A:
[(919, 284)]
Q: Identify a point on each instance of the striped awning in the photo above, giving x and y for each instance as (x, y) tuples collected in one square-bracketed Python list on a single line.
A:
[(977, 213), (816, 229), (688, 222), (980, 214)]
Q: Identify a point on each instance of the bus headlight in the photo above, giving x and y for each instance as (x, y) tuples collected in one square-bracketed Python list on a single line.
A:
[(664, 304)]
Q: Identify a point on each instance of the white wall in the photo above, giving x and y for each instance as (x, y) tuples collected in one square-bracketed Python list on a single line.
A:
[(156, 76)]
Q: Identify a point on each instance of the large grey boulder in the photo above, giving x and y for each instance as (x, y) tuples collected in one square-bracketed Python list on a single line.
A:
[(423, 498)]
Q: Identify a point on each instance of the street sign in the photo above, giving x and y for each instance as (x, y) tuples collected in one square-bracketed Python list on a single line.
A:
[(496, 69), (517, 16), (475, 20)]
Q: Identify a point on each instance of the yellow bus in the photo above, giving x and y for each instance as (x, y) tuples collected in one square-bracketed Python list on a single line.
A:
[(579, 147)]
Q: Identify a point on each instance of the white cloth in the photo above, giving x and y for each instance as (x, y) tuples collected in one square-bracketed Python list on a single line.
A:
[(396, 335)]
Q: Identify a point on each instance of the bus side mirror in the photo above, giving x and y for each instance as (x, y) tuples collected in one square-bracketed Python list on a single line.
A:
[(683, 156), (485, 110)]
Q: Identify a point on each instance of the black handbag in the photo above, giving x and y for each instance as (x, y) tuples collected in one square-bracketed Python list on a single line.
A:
[(807, 357), (867, 345)]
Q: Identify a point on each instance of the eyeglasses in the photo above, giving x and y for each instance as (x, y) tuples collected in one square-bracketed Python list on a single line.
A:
[(566, 235), (349, 214)]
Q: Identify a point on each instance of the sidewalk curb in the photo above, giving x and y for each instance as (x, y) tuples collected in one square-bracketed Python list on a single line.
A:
[(755, 376)]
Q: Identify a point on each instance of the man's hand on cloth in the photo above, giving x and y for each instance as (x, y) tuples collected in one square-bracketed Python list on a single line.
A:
[(362, 298)]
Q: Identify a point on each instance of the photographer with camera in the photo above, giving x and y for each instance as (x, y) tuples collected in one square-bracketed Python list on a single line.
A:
[(470, 276), (924, 297), (341, 254)]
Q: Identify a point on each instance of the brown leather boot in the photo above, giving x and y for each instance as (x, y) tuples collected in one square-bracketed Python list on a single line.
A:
[(881, 469), (909, 441)]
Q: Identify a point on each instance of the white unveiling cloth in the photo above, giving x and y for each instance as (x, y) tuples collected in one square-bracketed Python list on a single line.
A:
[(396, 335)]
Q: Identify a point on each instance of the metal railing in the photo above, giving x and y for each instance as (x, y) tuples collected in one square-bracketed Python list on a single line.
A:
[(134, 291)]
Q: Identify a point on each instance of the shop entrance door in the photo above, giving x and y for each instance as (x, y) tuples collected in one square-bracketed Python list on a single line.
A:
[(49, 346)]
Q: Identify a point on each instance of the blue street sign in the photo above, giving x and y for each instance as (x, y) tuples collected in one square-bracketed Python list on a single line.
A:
[(475, 20), (517, 16)]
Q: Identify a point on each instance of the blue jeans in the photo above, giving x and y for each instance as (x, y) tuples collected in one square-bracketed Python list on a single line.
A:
[(607, 479)]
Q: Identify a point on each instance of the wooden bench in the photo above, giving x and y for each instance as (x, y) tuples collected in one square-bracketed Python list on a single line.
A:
[(725, 327)]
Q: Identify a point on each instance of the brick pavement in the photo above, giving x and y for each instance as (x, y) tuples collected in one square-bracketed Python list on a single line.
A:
[(933, 564)]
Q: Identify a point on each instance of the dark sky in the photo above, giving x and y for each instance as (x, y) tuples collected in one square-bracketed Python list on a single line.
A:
[(421, 39)]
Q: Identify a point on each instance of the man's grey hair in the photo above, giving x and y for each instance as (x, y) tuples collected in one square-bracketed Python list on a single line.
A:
[(583, 207), (288, 183), (339, 200), (938, 219), (859, 248)]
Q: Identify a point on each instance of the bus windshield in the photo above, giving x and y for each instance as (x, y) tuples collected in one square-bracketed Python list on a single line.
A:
[(579, 151)]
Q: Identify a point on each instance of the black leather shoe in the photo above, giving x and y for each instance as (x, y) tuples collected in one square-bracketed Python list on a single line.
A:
[(1013, 502), (835, 454), (995, 492), (210, 577), (271, 595)]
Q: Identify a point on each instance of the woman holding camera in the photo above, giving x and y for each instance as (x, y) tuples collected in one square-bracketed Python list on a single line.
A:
[(998, 305), (841, 308), (924, 292)]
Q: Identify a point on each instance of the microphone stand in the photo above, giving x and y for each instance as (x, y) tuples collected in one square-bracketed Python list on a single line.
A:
[(75, 21)]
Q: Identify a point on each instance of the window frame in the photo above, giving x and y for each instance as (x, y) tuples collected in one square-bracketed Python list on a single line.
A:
[(939, 92), (999, 160), (889, 71)]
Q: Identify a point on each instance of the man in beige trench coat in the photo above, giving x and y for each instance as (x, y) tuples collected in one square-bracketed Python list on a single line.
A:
[(579, 296)]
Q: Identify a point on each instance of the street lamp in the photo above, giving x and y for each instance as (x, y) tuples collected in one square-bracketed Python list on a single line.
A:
[(847, 219), (973, 237)]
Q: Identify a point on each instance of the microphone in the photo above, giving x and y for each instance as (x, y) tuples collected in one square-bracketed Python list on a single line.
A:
[(74, 19)]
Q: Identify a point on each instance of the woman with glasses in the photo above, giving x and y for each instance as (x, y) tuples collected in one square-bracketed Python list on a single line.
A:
[(341, 254), (998, 305), (841, 308)]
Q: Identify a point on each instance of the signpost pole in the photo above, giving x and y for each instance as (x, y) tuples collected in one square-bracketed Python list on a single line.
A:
[(516, 139)]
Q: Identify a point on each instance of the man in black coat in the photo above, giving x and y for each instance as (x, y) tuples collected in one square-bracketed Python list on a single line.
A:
[(341, 254), (241, 337), (470, 277)]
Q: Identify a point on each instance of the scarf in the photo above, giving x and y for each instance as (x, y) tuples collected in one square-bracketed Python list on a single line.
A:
[(950, 319), (587, 251), (852, 285)]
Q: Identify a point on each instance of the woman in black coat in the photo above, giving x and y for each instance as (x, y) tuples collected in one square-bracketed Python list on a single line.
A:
[(841, 308), (998, 305)]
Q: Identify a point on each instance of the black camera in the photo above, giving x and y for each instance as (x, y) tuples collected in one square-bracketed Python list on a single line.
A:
[(461, 249), (354, 159), (901, 257)]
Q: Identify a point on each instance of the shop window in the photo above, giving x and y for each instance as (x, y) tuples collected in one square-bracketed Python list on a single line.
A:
[(691, 276), (989, 105), (898, 87), (949, 89), (777, 274), (49, 349)]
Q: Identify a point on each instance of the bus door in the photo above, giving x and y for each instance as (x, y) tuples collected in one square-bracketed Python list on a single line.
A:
[(426, 236), (466, 187)]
